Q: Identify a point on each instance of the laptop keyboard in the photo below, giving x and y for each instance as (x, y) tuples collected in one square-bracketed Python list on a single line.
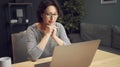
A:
[(47, 64)]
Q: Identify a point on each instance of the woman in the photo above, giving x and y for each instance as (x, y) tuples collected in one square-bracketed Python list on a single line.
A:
[(45, 34)]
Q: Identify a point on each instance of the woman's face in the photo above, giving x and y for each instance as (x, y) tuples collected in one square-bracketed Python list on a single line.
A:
[(50, 15)]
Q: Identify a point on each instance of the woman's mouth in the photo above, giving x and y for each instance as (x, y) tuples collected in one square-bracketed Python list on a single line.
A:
[(51, 22)]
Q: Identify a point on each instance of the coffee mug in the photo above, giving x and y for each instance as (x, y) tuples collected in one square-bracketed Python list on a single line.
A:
[(5, 62)]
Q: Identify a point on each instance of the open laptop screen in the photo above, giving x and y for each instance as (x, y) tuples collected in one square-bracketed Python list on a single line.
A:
[(75, 55)]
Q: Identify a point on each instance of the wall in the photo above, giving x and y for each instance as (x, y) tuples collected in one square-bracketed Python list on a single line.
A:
[(102, 13), (35, 6), (5, 30), (96, 13), (4, 37)]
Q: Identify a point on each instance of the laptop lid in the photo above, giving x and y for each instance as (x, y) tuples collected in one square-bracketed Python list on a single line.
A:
[(75, 55)]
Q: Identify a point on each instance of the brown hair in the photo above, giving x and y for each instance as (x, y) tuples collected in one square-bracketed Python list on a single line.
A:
[(43, 5)]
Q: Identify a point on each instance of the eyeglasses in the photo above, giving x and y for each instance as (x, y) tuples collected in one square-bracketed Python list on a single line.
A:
[(51, 15)]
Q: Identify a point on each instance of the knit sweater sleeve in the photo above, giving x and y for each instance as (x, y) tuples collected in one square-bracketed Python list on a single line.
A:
[(33, 51), (62, 34)]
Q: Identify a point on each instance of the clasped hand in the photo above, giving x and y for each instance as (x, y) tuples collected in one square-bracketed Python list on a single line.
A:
[(50, 30)]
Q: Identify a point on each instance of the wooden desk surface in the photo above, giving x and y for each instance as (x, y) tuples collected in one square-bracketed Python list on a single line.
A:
[(105, 59), (101, 59), (32, 64)]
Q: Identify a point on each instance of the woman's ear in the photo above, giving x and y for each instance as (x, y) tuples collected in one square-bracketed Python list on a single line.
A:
[(42, 15)]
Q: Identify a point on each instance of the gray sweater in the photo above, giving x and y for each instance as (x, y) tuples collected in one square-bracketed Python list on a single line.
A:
[(34, 37)]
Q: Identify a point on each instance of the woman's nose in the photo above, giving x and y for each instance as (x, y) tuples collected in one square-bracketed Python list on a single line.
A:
[(51, 18)]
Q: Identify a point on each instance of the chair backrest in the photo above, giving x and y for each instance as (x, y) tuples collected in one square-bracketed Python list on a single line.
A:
[(19, 47)]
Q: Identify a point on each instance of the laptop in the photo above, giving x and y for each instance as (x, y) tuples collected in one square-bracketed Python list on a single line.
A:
[(75, 55)]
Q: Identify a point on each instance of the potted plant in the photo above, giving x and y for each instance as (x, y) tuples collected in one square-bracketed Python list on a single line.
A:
[(73, 12)]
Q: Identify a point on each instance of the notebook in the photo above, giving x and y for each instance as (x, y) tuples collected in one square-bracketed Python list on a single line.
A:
[(75, 55)]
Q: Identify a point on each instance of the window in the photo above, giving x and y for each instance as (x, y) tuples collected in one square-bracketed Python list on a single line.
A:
[(108, 1)]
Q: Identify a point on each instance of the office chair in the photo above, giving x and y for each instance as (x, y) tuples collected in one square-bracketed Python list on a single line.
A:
[(19, 47)]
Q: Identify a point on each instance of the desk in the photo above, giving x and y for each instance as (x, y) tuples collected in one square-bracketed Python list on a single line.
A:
[(101, 59), (105, 59), (32, 64)]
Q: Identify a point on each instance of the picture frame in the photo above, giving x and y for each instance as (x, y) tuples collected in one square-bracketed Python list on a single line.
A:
[(108, 1)]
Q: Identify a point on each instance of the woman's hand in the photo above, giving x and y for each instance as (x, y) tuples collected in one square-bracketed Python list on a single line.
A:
[(50, 30), (54, 31)]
